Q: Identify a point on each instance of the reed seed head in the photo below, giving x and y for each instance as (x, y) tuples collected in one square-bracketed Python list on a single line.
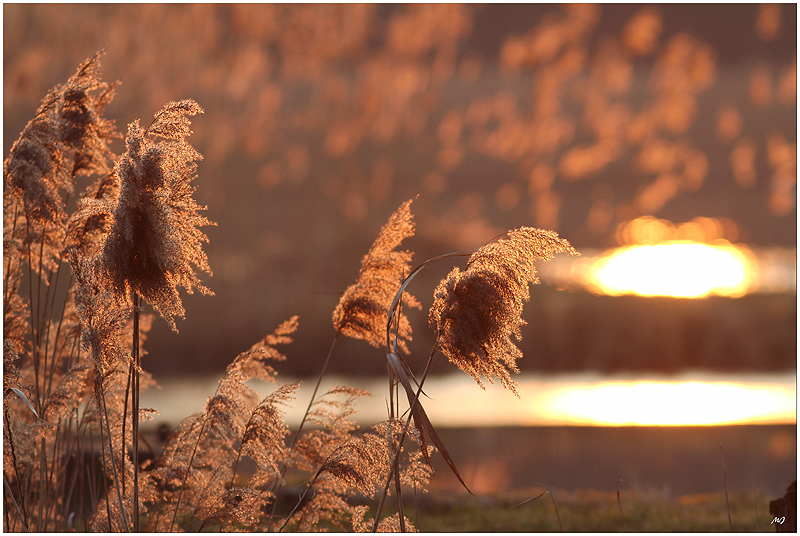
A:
[(68, 136), (476, 312), (363, 310), (155, 240)]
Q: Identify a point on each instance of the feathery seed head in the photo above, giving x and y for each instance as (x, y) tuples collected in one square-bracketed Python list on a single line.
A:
[(364, 307), (68, 136), (89, 225), (476, 312), (252, 363), (154, 240), (265, 433)]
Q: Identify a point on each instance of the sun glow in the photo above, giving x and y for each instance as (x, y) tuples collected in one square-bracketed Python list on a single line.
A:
[(660, 403), (680, 269), (693, 259)]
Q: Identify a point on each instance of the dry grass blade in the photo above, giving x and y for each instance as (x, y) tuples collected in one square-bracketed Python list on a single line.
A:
[(10, 495), (421, 420), (725, 483), (24, 398), (390, 320), (619, 503)]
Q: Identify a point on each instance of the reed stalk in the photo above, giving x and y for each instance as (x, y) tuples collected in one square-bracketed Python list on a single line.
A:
[(135, 412), (725, 484)]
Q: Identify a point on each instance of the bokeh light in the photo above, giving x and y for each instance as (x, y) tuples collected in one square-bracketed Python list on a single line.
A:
[(322, 118)]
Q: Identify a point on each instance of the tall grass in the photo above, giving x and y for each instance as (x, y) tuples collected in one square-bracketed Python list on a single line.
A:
[(75, 284)]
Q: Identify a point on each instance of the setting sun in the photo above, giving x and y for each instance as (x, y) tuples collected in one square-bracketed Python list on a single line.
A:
[(680, 269)]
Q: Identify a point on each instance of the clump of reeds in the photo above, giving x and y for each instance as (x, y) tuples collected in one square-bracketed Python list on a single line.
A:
[(47, 379), (197, 476), (72, 357)]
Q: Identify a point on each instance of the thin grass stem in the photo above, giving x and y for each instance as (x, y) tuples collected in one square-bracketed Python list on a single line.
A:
[(725, 483), (186, 476), (135, 412), (550, 492), (14, 502), (10, 438), (114, 467), (9, 269), (619, 503), (34, 332), (279, 482), (58, 329), (755, 503), (42, 493), (125, 416)]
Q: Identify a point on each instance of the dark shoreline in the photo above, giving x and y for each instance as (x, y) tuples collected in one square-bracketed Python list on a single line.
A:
[(669, 460)]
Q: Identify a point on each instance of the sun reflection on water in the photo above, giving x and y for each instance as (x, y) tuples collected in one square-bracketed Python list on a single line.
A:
[(672, 403), (567, 399)]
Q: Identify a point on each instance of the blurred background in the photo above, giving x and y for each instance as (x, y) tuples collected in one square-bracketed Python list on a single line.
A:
[(618, 126)]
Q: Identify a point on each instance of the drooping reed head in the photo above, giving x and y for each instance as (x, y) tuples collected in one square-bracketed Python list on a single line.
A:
[(155, 240), (476, 312), (363, 309), (68, 136)]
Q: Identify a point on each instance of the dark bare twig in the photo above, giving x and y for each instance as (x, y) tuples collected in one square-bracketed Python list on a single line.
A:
[(616, 485), (725, 483)]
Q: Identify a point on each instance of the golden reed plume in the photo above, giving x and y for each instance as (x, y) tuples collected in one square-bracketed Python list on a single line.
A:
[(155, 240), (364, 306), (476, 312)]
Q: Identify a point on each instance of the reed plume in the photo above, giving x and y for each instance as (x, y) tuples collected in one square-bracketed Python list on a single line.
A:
[(263, 441), (387, 524), (324, 497), (344, 459), (89, 225), (476, 312), (154, 239), (363, 308), (197, 469), (264, 436), (68, 136)]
